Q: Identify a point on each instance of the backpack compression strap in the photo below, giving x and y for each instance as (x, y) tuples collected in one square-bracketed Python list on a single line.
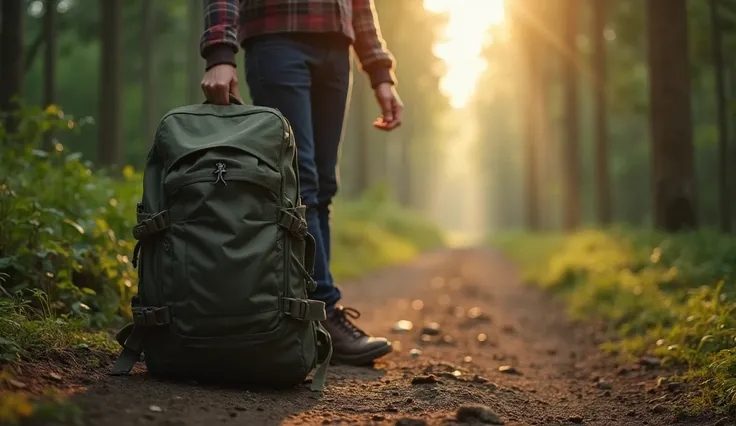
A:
[(131, 336), (320, 374)]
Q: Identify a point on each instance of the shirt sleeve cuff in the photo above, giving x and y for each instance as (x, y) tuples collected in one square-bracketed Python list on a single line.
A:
[(219, 54), (380, 74)]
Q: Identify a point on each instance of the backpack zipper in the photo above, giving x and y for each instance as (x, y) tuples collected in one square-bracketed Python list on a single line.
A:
[(220, 172)]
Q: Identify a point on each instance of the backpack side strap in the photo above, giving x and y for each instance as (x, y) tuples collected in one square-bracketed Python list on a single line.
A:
[(304, 309), (320, 373), (131, 336)]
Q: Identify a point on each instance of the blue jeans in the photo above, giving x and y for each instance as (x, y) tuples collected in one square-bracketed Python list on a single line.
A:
[(307, 78)]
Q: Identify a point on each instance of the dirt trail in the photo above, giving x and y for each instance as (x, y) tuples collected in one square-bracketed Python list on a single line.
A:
[(562, 377)]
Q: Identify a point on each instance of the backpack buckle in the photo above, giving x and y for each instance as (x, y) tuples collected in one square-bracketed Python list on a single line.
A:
[(304, 309), (296, 224), (297, 308), (151, 317), (155, 223)]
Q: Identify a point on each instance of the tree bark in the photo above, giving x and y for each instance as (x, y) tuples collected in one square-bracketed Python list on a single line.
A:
[(195, 63), (571, 147), (148, 73), (12, 72), (602, 178), (723, 151), (533, 77), (49, 70), (673, 170), (110, 137)]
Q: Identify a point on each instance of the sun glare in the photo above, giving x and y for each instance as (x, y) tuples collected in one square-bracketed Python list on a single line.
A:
[(462, 42)]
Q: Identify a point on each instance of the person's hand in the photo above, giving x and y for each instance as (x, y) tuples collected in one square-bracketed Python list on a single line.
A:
[(219, 82), (391, 107)]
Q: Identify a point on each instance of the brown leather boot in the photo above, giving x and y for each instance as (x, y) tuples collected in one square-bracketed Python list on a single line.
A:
[(351, 345)]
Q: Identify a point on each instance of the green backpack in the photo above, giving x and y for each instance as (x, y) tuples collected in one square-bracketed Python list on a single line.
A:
[(223, 254)]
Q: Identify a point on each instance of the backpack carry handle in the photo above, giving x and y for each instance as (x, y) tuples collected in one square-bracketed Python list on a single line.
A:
[(233, 100)]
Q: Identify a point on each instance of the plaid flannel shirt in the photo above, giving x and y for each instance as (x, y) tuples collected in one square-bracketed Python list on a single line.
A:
[(228, 23)]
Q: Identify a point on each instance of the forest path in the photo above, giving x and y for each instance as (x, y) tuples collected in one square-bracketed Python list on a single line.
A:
[(563, 378)]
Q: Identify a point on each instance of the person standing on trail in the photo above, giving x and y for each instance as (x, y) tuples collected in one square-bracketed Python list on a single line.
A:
[(297, 60)]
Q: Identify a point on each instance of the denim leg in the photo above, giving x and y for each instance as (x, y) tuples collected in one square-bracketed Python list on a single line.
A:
[(279, 75), (330, 87)]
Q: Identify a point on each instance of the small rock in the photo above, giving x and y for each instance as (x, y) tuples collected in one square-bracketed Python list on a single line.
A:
[(479, 379), (507, 369), (448, 340), (17, 383), (54, 376), (155, 408), (658, 408), (431, 329), (468, 359), (403, 326), (481, 337), (415, 353), (478, 414), (575, 419), (425, 380), (425, 338), (602, 384), (650, 361)]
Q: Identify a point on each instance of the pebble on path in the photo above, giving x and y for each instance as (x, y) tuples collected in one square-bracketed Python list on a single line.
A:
[(477, 414), (425, 380), (507, 369)]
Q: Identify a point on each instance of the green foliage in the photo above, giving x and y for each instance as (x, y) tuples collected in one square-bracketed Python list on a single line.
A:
[(374, 232), (31, 333), (61, 224), (670, 296)]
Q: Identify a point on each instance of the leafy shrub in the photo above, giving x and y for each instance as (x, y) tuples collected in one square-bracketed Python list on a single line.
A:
[(63, 227), (671, 296)]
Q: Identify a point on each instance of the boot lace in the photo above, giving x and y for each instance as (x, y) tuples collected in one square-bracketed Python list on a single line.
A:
[(344, 316)]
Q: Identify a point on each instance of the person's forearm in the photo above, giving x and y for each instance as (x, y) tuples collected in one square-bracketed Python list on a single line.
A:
[(219, 42), (374, 58)]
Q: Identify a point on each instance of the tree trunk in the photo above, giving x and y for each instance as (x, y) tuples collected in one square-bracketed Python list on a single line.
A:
[(11, 60), (723, 152), (148, 77), (110, 151), (602, 179), (195, 63), (530, 45), (673, 170), (49, 71), (571, 147)]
